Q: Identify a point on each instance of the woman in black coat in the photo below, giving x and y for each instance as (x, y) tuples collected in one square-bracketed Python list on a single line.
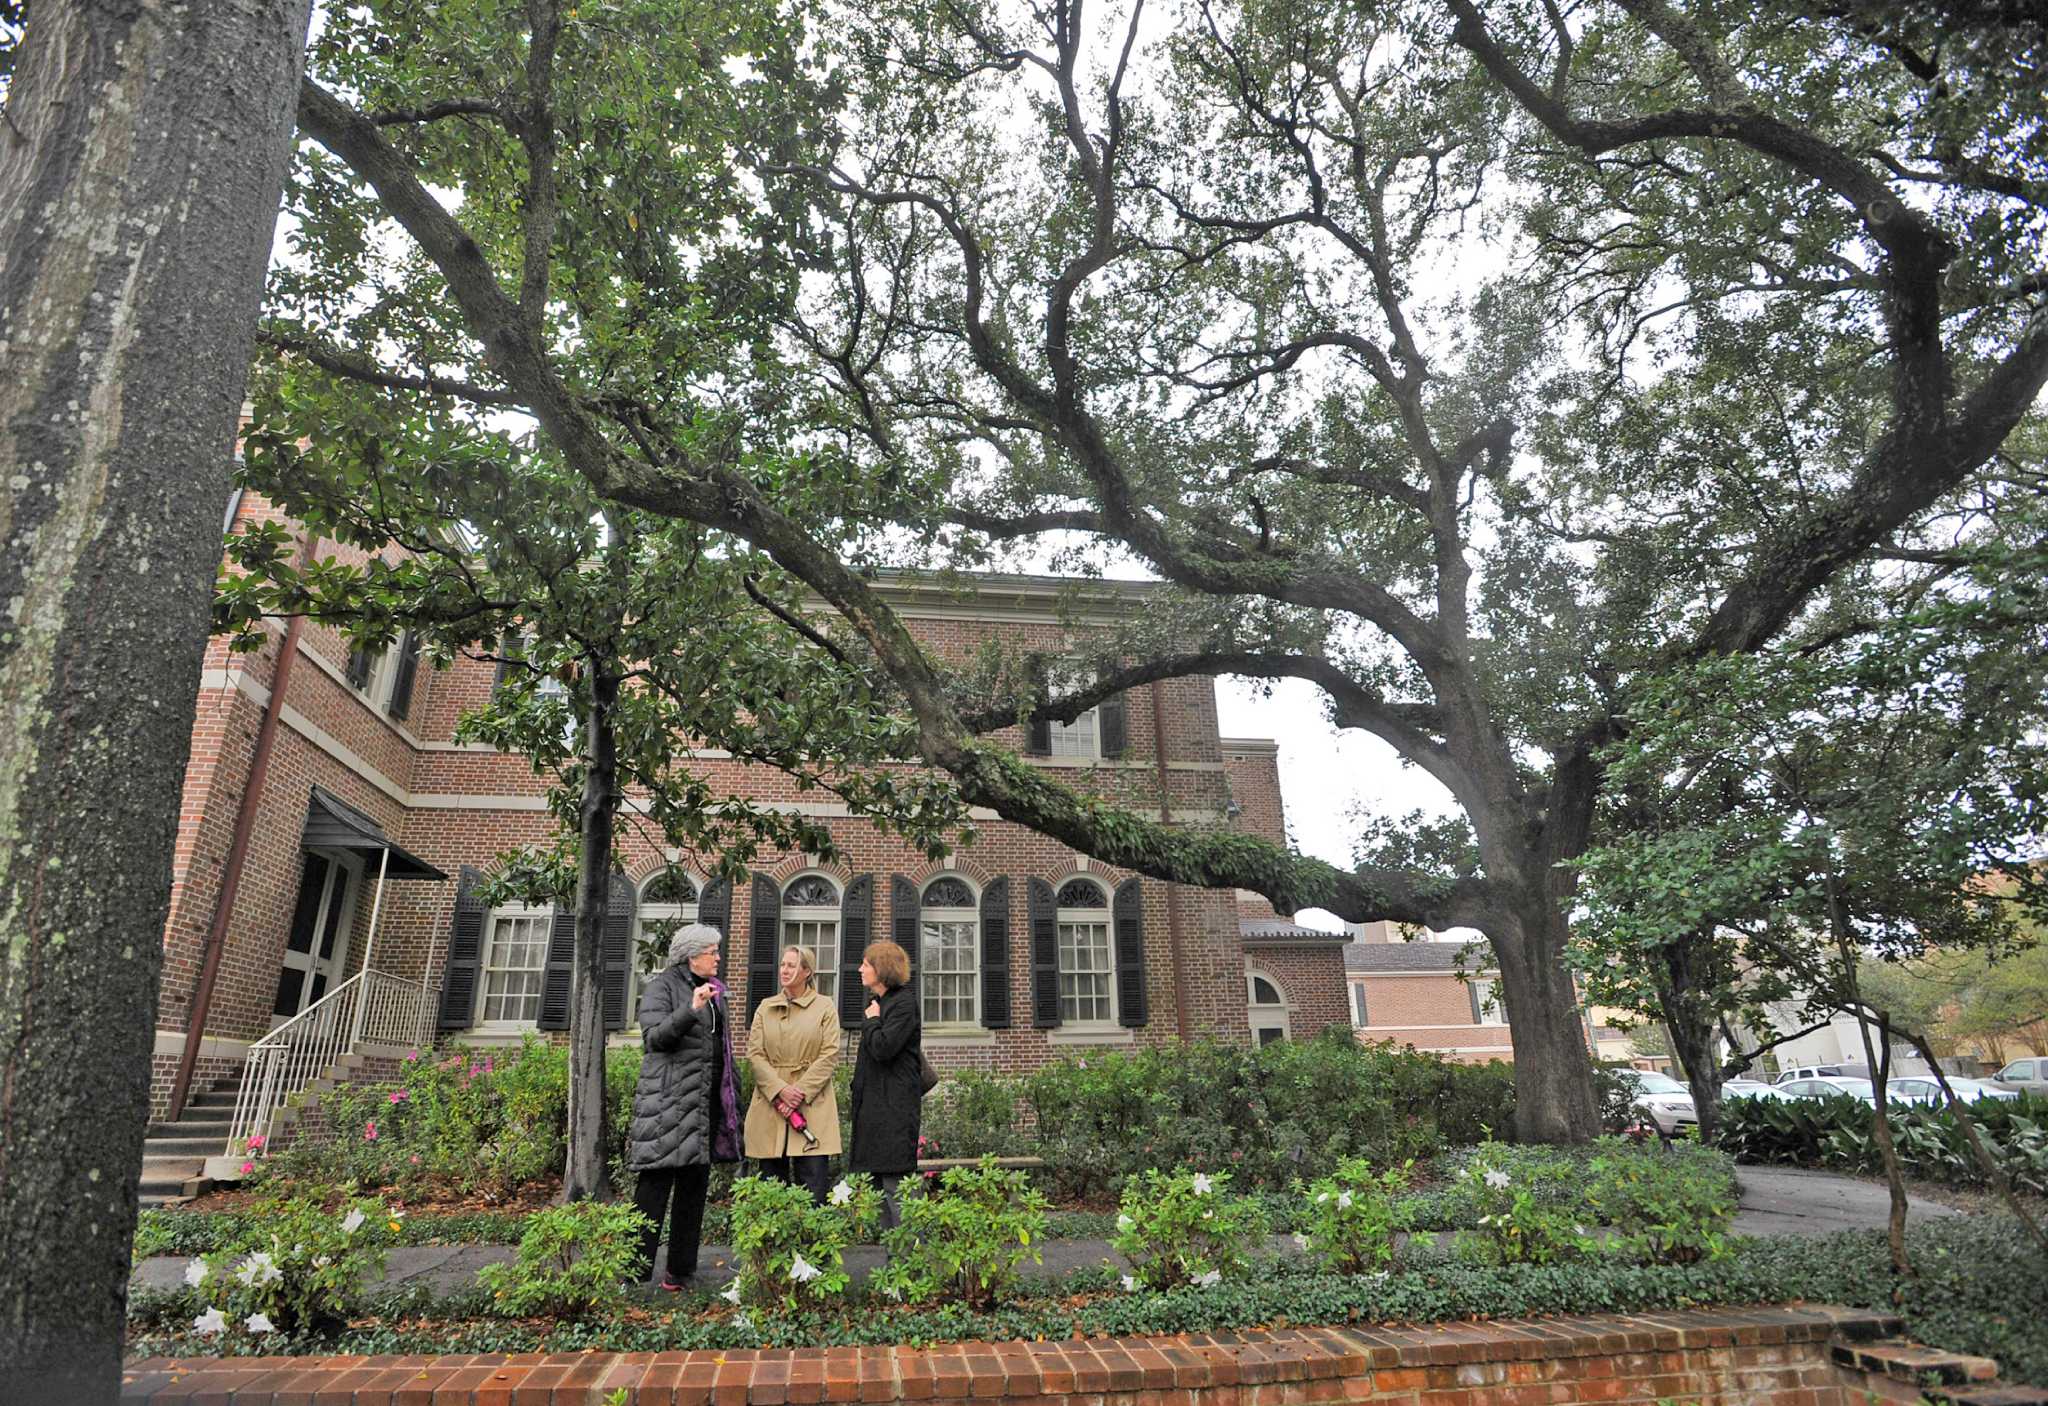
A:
[(887, 1088)]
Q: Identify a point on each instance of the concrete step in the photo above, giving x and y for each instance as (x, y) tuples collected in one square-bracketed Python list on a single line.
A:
[(202, 1146), (189, 1126), (219, 1101)]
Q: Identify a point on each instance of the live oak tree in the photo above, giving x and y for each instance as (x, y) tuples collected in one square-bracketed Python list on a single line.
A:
[(620, 642), (141, 151), (1405, 341)]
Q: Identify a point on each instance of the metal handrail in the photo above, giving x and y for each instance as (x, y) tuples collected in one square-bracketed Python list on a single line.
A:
[(371, 1007)]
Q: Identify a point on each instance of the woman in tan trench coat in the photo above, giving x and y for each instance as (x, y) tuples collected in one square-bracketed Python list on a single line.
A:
[(793, 1048)]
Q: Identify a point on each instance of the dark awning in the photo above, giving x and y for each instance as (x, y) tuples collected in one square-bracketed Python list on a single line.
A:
[(332, 823)]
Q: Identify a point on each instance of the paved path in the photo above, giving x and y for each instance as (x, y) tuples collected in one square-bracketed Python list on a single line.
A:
[(1793, 1201), (1774, 1201)]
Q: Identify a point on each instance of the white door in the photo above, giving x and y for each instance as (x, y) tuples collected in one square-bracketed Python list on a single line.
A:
[(316, 949)]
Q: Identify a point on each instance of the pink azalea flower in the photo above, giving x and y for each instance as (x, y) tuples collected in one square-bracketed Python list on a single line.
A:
[(255, 1141), (414, 1159), (411, 1056), (399, 1095), (248, 1167), (370, 1131)]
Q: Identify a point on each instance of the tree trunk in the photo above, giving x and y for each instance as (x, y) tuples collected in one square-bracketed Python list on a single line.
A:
[(585, 1176), (1880, 1071), (1554, 1099), (1690, 1017), (142, 156)]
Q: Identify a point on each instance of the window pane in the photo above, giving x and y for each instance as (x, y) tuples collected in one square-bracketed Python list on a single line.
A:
[(949, 971), (1085, 974), (1074, 739), (514, 970), (820, 937), (1358, 1016)]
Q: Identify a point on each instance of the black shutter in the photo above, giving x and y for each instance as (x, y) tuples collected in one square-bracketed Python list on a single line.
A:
[(465, 954), (1111, 727), (1038, 738), (1472, 994), (560, 970), (404, 676), (358, 672), (995, 955), (763, 950), (714, 909), (1045, 955), (618, 950), (1129, 920), (856, 929), (906, 909)]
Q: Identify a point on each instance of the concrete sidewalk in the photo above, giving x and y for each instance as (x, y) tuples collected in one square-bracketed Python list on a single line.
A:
[(1774, 1201)]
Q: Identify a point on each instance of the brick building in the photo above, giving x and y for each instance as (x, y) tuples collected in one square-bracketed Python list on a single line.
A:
[(1437, 993), (369, 826)]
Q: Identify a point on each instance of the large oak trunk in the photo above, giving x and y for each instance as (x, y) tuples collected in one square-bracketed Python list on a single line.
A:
[(141, 161), (1554, 1099)]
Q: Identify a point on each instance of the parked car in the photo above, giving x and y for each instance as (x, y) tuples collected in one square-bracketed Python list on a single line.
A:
[(1749, 1088), (1812, 1071), (2024, 1076), (1918, 1089), (1662, 1100), (1830, 1086)]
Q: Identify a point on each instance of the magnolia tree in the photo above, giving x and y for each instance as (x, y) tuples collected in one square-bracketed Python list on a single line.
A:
[(620, 641), (1471, 364)]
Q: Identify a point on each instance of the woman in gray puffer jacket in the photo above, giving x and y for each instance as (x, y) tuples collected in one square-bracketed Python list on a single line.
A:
[(686, 1111)]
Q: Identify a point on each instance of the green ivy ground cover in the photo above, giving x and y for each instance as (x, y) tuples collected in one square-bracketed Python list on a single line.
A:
[(1976, 1290)]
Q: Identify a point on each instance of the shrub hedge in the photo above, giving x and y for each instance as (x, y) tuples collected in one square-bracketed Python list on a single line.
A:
[(1836, 1133)]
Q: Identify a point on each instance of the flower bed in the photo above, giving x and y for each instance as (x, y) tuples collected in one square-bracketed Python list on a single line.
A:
[(1976, 1292)]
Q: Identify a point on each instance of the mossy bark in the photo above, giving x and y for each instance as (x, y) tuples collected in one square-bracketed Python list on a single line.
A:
[(141, 161)]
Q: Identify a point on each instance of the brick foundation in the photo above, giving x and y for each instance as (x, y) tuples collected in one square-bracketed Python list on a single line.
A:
[(1805, 1356)]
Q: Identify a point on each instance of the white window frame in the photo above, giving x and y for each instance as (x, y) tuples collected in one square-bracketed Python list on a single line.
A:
[(970, 917), (1487, 991), (511, 911), (643, 914), (1077, 741), (1361, 1006), (1267, 1015), (813, 913), (1105, 918)]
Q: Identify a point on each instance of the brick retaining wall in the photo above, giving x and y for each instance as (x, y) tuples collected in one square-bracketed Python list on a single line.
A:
[(1805, 1356)]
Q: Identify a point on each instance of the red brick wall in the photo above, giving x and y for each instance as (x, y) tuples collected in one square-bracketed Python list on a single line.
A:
[(1755, 1356), (1431, 1011), (1312, 980)]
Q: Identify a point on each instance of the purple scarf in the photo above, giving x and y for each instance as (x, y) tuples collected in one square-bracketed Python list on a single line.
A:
[(725, 1138)]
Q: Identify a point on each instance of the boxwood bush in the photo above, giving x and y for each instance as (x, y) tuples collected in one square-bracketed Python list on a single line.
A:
[(1836, 1133)]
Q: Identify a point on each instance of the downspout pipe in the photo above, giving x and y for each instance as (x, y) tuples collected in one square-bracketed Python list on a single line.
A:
[(238, 854), (1181, 1020)]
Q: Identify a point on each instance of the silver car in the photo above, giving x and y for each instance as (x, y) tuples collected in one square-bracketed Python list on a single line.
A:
[(1916, 1089), (1662, 1100), (1826, 1086), (2024, 1076)]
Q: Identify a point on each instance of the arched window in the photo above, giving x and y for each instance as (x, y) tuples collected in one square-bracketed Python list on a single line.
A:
[(1266, 1008), (810, 919), (1087, 965), (668, 903), (949, 959)]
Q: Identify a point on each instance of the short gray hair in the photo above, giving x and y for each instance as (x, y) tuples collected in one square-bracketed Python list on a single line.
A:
[(692, 940)]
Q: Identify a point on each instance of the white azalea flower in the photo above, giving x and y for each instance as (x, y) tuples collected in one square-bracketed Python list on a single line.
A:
[(1124, 1222), (1578, 1230), (195, 1273), (1129, 1283), (1300, 1241), (743, 1323), (1343, 1200), (1203, 1281), (210, 1322), (841, 1194), (1497, 1178), (259, 1268), (1322, 1196), (732, 1294), (1203, 1186), (322, 1261), (352, 1222), (259, 1323), (802, 1271)]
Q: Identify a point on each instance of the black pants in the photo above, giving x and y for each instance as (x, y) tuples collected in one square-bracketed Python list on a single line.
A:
[(676, 1194), (813, 1173)]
